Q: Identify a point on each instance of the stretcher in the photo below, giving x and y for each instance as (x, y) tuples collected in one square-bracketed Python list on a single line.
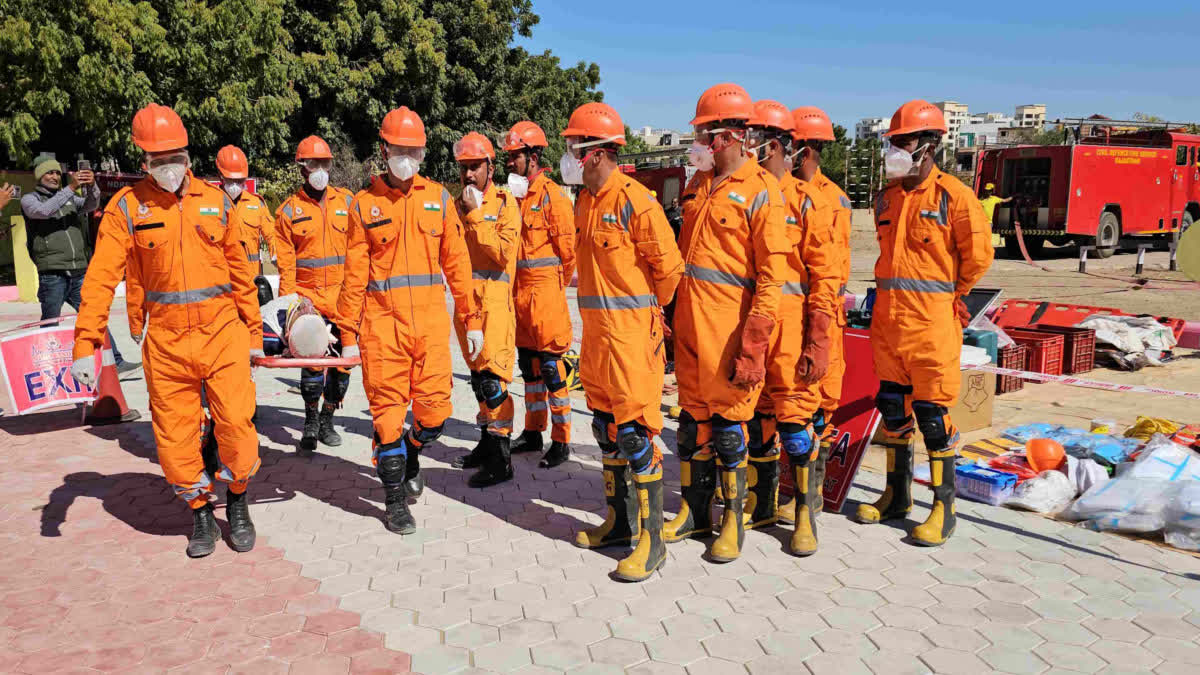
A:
[(289, 362)]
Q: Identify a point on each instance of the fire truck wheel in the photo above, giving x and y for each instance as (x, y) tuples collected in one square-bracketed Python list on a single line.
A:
[(1108, 235)]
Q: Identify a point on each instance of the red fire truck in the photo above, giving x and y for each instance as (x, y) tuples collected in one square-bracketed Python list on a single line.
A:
[(1107, 186)]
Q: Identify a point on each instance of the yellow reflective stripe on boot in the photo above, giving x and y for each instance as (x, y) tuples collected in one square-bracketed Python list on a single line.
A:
[(728, 545), (941, 522), (896, 500), (760, 469), (619, 527)]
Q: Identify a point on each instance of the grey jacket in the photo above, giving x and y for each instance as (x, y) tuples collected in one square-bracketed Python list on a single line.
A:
[(56, 223)]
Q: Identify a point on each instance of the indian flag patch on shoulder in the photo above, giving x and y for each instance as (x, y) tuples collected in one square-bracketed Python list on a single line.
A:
[(433, 206), (340, 212), (535, 208), (490, 218), (252, 207), (209, 211), (791, 220), (608, 218), (736, 198)]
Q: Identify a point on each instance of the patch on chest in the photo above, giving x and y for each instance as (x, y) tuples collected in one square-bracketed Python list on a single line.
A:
[(299, 211), (432, 206), (376, 211), (609, 218), (143, 210), (790, 220), (209, 211), (736, 198), (340, 212)]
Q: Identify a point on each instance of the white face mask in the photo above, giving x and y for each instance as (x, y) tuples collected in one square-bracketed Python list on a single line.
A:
[(403, 167), (518, 185), (898, 163), (472, 197), (319, 179), (700, 156), (571, 168), (234, 190), (169, 176)]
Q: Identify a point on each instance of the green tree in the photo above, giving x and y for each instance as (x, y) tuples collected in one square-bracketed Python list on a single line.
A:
[(633, 144)]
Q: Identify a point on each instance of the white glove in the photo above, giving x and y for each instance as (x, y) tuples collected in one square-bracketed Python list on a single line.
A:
[(137, 339), (351, 352), (84, 371), (474, 344), (472, 197)]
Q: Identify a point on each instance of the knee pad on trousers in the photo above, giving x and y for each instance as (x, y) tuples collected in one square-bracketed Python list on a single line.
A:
[(525, 361), (492, 390), (388, 456), (729, 441), (934, 422), (312, 384), (600, 424), (476, 383), (634, 444), (685, 438), (890, 402), (761, 432), (337, 381), (551, 372), (797, 441), (419, 436)]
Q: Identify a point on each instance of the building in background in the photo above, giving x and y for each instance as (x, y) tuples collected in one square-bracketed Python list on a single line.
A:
[(870, 127), (1032, 115)]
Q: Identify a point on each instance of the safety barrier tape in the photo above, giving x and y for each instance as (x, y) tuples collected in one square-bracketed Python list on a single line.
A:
[(1089, 384)]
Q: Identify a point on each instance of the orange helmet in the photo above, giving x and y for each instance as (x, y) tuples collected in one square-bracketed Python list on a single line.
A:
[(811, 124), (724, 101), (472, 147), (156, 128), (526, 134), (403, 127), (771, 114), (596, 120), (916, 116), (231, 162), (313, 147), (1044, 454)]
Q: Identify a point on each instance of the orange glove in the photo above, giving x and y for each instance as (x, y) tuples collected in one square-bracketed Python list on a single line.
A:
[(749, 364), (960, 310), (814, 360)]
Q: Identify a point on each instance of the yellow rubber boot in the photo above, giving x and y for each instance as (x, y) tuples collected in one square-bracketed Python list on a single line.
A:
[(940, 524), (620, 526), (651, 552), (827, 438), (698, 483), (728, 545), (896, 501), (804, 538), (786, 512), (762, 492)]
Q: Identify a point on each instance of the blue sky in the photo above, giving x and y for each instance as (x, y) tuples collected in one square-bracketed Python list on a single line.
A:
[(859, 59)]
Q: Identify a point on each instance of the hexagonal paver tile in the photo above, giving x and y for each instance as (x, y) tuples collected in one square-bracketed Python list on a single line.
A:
[(618, 652), (1012, 660), (956, 637), (1007, 612), (704, 606), (560, 654), (745, 624), (1064, 633), (472, 635), (805, 600), (888, 638), (1170, 649), (526, 633), (1116, 629), (850, 618), (901, 616), (411, 638), (736, 648), (1167, 626), (496, 612), (1126, 656), (1006, 592), (582, 630), (896, 663), (844, 642), (953, 662), (837, 664), (690, 625), (1070, 657), (1057, 609), (440, 659), (501, 658)]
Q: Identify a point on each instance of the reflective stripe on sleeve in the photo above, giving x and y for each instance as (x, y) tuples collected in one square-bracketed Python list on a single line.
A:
[(311, 263), (718, 277), (617, 301), (188, 297)]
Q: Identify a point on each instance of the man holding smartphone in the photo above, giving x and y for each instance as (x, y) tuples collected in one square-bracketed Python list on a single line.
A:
[(56, 222)]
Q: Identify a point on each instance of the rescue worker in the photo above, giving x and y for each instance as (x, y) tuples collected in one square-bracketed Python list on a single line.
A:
[(179, 238), (791, 397), (934, 245), (735, 247), (989, 200), (545, 266), (310, 243), (404, 235), (813, 129), (629, 266), (493, 228), (257, 225)]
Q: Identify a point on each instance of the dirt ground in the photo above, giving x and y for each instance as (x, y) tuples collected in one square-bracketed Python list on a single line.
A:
[(1168, 294)]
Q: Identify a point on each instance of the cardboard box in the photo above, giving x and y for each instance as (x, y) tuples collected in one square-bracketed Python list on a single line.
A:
[(976, 399)]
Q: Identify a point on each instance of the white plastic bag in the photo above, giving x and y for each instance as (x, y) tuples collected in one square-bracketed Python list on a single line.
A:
[(1183, 517), (1084, 473), (1164, 459), (1124, 504), (1048, 492)]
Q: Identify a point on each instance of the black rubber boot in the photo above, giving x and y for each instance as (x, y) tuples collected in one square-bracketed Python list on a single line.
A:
[(208, 449), (698, 486), (414, 482), (762, 485), (312, 428), (727, 547), (241, 529), (896, 501), (622, 521), (474, 458), (528, 441), (497, 467), (397, 518), (558, 453), (651, 552), (205, 532), (326, 432)]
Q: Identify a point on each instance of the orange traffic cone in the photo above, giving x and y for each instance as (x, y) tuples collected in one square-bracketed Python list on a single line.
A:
[(109, 406)]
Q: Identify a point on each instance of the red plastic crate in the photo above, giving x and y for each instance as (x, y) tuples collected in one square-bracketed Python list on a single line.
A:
[(1079, 348), (1013, 357), (1045, 350)]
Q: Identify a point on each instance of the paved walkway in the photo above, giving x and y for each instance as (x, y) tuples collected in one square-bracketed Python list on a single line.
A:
[(94, 576)]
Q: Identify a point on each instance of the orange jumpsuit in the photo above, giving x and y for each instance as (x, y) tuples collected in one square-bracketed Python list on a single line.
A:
[(545, 266), (393, 302), (629, 267), (735, 247), (187, 268), (492, 231), (257, 227), (934, 245), (831, 384), (310, 244)]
